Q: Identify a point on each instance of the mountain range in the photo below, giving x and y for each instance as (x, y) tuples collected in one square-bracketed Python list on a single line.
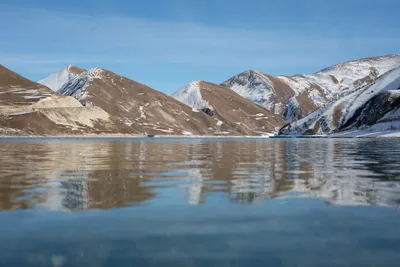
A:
[(355, 95), (294, 97)]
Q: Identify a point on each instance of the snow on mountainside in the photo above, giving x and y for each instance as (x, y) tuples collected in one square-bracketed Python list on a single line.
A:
[(58, 79), (310, 91), (232, 113), (373, 107), (76, 86), (144, 109)]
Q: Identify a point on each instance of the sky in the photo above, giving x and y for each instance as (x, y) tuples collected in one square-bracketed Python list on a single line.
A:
[(166, 44)]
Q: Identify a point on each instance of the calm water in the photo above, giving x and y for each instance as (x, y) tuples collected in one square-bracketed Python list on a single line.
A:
[(197, 202)]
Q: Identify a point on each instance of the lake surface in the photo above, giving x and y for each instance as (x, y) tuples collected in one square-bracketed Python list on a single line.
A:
[(199, 202)]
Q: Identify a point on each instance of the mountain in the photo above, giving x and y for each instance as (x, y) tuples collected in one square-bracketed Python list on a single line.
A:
[(58, 79), (137, 105), (29, 108), (231, 112), (372, 108), (294, 97)]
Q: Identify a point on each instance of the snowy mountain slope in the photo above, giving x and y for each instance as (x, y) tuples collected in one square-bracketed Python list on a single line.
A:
[(58, 79), (374, 106), (311, 91), (139, 106), (190, 95), (231, 112)]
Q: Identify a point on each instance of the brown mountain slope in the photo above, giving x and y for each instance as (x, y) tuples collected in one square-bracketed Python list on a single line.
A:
[(29, 108), (75, 70), (231, 112), (139, 106), (17, 90)]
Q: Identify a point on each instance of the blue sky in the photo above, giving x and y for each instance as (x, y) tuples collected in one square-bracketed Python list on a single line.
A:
[(166, 44)]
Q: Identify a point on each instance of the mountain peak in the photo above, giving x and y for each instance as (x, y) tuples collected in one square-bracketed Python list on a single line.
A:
[(197, 83), (56, 80), (74, 69), (251, 71)]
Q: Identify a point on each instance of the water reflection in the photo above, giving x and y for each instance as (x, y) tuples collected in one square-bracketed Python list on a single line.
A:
[(82, 174)]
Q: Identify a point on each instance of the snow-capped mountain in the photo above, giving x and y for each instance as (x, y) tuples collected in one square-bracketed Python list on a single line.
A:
[(232, 113), (281, 94), (58, 79), (137, 105), (374, 107)]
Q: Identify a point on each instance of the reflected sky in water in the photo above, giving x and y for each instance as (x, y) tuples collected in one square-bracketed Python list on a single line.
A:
[(200, 202)]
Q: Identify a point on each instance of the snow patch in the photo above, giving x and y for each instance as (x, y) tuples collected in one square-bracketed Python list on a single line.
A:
[(187, 133), (190, 95), (58, 79), (142, 112)]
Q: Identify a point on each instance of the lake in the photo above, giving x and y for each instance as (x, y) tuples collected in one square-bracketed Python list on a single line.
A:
[(199, 202)]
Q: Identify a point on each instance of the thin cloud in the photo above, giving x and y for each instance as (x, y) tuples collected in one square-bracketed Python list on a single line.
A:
[(112, 39), (41, 41)]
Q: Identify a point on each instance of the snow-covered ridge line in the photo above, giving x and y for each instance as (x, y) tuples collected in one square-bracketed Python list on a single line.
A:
[(367, 60)]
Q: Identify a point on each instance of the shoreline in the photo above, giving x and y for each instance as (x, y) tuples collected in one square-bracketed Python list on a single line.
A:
[(123, 136), (350, 134)]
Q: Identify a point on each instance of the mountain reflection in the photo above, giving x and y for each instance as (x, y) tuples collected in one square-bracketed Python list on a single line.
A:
[(79, 175)]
